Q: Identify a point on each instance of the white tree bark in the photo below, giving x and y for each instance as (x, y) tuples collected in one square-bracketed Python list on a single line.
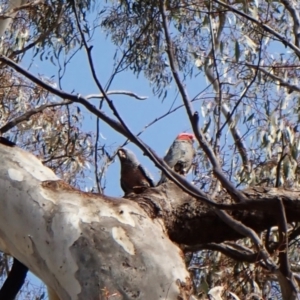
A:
[(81, 245)]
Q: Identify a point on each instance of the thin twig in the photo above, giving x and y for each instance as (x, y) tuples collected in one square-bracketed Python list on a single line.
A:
[(194, 117), (25, 6), (267, 241), (218, 86), (26, 116), (284, 264), (278, 169), (237, 253), (290, 7), (127, 93), (248, 232), (277, 78), (229, 117), (41, 37), (262, 25), (223, 106)]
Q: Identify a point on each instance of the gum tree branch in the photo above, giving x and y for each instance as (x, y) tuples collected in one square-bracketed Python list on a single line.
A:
[(42, 35), (293, 235), (13, 6), (117, 69), (238, 196), (194, 117), (26, 116), (248, 232), (126, 93), (293, 10), (214, 47), (230, 115), (262, 25), (290, 285), (237, 137), (184, 215), (237, 253), (282, 82)]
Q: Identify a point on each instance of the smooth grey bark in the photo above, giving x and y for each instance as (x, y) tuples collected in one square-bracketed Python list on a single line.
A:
[(84, 245)]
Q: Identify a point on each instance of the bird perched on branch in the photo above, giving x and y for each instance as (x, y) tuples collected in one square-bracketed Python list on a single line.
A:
[(134, 177), (180, 155)]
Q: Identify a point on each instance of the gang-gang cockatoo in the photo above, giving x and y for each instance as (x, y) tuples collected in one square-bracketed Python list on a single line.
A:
[(180, 155), (134, 177)]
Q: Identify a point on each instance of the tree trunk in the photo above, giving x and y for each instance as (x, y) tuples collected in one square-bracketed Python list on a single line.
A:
[(87, 246), (83, 245)]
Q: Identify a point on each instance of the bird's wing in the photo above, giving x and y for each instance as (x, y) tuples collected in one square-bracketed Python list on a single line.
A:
[(174, 154), (147, 175), (123, 186)]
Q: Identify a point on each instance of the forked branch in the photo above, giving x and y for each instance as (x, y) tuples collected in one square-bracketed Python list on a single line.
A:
[(194, 117)]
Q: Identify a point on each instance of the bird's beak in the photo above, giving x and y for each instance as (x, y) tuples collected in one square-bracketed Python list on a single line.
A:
[(121, 153)]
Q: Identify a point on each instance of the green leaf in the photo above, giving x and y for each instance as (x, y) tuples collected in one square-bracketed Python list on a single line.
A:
[(237, 51), (207, 125), (251, 117), (52, 60), (286, 168), (294, 151)]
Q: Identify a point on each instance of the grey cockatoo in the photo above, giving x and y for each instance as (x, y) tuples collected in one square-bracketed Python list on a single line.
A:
[(134, 177), (180, 155)]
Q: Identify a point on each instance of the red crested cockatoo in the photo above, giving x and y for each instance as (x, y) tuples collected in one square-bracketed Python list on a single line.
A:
[(180, 155)]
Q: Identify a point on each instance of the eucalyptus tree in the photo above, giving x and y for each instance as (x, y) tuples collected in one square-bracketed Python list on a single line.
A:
[(236, 224)]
